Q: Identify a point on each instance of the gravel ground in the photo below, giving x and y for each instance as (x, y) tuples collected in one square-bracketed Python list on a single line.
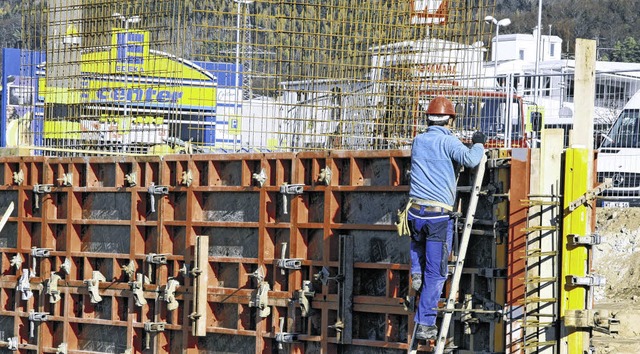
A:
[(617, 258)]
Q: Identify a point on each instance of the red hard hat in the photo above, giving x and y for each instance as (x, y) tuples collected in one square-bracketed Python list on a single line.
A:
[(441, 106)]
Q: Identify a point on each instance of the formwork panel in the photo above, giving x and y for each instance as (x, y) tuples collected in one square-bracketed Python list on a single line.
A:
[(279, 229)]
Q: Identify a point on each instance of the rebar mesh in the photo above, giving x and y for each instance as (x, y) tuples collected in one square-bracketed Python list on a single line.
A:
[(166, 75)]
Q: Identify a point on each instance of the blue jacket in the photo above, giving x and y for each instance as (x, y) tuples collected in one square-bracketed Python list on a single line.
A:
[(433, 154)]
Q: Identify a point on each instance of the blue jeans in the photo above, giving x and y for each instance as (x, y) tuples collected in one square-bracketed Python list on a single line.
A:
[(431, 238)]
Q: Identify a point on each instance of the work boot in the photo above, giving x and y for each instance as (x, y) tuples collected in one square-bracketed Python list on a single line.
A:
[(416, 281), (425, 332)]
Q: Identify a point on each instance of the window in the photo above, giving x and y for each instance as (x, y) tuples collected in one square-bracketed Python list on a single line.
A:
[(521, 54), (552, 49)]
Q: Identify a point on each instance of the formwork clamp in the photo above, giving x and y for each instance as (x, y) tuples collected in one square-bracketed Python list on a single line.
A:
[(66, 266), (131, 179), (589, 240), (289, 189), (187, 178), (18, 177), (260, 299), (137, 288), (325, 176), (24, 284), (288, 263), (591, 194), (304, 295), (154, 190), (16, 261), (599, 320), (589, 280), (66, 180), (36, 317), (283, 337), (62, 348), (39, 253), (11, 343), (93, 286), (260, 177), (39, 189), (152, 327), (51, 288), (170, 294)]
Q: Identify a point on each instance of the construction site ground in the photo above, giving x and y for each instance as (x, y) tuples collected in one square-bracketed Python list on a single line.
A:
[(617, 258)]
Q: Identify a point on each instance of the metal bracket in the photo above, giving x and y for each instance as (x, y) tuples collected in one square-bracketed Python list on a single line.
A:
[(131, 179), (154, 190), (36, 317), (24, 284), (589, 280), (200, 283), (187, 178), (498, 162), (304, 296), (40, 189), (137, 288), (590, 240), (323, 276), (260, 299), (287, 263), (93, 286), (289, 189), (285, 337), (261, 177), (18, 177), (66, 180), (16, 261), (492, 272), (51, 288), (599, 320), (325, 176), (170, 294), (591, 194)]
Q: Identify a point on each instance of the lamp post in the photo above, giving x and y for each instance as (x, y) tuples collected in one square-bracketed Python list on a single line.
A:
[(504, 22)]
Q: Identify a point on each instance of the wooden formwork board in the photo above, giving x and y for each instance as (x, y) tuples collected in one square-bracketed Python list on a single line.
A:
[(109, 245)]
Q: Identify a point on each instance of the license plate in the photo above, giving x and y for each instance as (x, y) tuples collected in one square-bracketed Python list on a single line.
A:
[(615, 204)]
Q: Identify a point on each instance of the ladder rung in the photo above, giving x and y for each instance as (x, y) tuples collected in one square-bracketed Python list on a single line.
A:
[(531, 300), (536, 324), (538, 314), (539, 202), (539, 253), (535, 280), (539, 228), (537, 344)]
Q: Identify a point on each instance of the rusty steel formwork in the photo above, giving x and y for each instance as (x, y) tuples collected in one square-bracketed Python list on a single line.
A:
[(230, 253)]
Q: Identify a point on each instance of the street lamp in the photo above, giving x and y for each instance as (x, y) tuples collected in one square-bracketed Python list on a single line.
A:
[(504, 22)]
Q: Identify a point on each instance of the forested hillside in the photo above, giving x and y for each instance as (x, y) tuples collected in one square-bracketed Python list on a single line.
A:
[(613, 24)]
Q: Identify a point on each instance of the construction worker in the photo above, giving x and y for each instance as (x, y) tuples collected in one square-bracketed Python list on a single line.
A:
[(434, 156)]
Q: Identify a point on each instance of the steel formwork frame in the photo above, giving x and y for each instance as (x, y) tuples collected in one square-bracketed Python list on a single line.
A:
[(116, 243)]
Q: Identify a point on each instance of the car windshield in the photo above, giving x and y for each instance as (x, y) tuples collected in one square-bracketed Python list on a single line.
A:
[(488, 115), (625, 132)]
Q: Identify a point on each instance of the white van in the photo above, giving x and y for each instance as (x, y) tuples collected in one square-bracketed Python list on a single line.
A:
[(619, 157)]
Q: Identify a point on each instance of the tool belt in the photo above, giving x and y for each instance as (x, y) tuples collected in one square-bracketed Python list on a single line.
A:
[(402, 225)]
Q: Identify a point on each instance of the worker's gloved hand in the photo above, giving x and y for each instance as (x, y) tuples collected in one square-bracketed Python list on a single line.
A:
[(479, 138)]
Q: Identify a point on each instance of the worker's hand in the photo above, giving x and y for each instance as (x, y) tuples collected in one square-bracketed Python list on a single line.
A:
[(479, 138)]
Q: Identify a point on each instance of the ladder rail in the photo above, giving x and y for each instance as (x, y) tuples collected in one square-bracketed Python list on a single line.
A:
[(462, 250)]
